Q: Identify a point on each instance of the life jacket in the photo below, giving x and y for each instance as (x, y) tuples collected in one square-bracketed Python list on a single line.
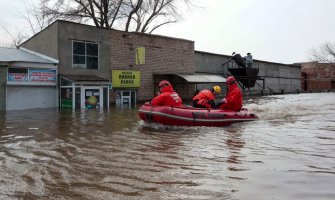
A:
[(203, 97)]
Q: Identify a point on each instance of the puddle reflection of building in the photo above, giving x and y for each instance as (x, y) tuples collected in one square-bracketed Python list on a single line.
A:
[(162, 141)]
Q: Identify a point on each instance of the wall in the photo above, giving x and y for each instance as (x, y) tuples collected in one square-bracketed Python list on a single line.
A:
[(3, 79), (45, 42), (280, 77), (69, 32), (163, 55), (56, 41), (318, 76), (277, 77)]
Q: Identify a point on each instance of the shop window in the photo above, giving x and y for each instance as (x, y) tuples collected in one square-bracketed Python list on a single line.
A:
[(65, 82), (85, 55), (66, 97)]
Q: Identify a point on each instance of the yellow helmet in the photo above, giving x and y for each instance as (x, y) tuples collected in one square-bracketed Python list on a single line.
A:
[(216, 89)]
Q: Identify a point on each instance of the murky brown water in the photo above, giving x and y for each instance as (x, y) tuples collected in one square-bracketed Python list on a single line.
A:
[(288, 154)]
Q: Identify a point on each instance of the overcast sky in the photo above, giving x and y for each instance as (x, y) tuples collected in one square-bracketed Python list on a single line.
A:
[(283, 31)]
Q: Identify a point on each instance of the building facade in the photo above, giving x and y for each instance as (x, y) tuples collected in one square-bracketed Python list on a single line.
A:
[(317, 77), (272, 77), (99, 66), (152, 56), (27, 80)]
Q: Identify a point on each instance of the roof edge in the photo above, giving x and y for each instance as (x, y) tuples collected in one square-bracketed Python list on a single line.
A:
[(40, 55)]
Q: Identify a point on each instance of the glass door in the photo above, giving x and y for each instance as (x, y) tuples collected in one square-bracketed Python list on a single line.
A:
[(125, 99), (92, 98)]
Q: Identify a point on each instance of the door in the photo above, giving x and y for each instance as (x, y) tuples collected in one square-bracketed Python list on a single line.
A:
[(28, 97), (125, 99), (92, 97)]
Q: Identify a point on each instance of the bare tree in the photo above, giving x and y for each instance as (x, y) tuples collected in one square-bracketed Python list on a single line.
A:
[(133, 15), (15, 38), (34, 22), (325, 53), (129, 15), (35, 18)]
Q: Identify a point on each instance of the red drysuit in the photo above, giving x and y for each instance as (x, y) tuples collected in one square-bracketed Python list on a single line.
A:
[(168, 97), (233, 100)]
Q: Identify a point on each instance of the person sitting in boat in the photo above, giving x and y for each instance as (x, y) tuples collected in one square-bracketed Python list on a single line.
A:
[(167, 96), (233, 99), (205, 98)]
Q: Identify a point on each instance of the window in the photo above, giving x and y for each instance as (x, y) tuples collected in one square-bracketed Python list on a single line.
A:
[(85, 55), (17, 74)]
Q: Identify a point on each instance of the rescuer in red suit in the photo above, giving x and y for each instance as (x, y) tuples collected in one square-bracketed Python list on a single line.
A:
[(167, 96), (233, 99), (205, 98)]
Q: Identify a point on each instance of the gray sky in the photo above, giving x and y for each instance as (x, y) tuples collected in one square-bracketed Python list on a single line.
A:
[(283, 31)]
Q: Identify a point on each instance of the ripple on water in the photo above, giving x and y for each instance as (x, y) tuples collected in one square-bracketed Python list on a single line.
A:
[(112, 154)]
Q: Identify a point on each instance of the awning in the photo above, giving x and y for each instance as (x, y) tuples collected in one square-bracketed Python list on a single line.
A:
[(84, 78), (202, 78), (189, 78)]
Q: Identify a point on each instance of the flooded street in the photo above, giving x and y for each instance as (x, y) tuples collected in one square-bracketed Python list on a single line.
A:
[(288, 154)]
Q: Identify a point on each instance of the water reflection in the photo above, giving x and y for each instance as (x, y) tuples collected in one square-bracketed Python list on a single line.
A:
[(111, 154)]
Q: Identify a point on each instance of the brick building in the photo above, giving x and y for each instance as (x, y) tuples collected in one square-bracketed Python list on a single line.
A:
[(163, 56), (99, 66), (317, 77)]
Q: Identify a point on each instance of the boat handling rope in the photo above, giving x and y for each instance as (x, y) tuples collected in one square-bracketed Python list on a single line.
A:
[(193, 116)]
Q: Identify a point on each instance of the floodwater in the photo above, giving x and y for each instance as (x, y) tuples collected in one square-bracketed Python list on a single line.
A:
[(289, 154)]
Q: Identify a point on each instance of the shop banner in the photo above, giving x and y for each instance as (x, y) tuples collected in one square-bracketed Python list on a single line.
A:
[(19, 77), (126, 79), (140, 56), (42, 75)]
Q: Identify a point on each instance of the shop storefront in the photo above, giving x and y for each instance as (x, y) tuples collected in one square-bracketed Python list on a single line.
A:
[(31, 88), (125, 84), (84, 92), (28, 80)]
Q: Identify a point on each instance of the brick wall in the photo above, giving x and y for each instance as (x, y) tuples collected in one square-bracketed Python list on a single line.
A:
[(317, 76), (163, 55)]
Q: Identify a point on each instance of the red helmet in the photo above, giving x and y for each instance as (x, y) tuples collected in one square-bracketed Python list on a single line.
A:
[(231, 80), (164, 82)]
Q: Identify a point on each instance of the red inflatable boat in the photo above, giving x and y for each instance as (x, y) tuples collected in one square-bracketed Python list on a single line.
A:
[(189, 116)]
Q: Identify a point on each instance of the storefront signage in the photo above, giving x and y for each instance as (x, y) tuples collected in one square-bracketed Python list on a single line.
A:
[(19, 77), (125, 78), (32, 75), (140, 56), (42, 75)]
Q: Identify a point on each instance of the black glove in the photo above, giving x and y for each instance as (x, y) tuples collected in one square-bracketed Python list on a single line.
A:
[(218, 105), (212, 103)]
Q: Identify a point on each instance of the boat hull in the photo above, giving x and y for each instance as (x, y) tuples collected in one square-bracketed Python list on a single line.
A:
[(189, 116)]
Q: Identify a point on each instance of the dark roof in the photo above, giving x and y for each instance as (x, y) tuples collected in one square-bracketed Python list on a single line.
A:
[(81, 78)]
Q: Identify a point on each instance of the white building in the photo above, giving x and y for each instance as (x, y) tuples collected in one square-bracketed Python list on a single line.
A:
[(27, 80)]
